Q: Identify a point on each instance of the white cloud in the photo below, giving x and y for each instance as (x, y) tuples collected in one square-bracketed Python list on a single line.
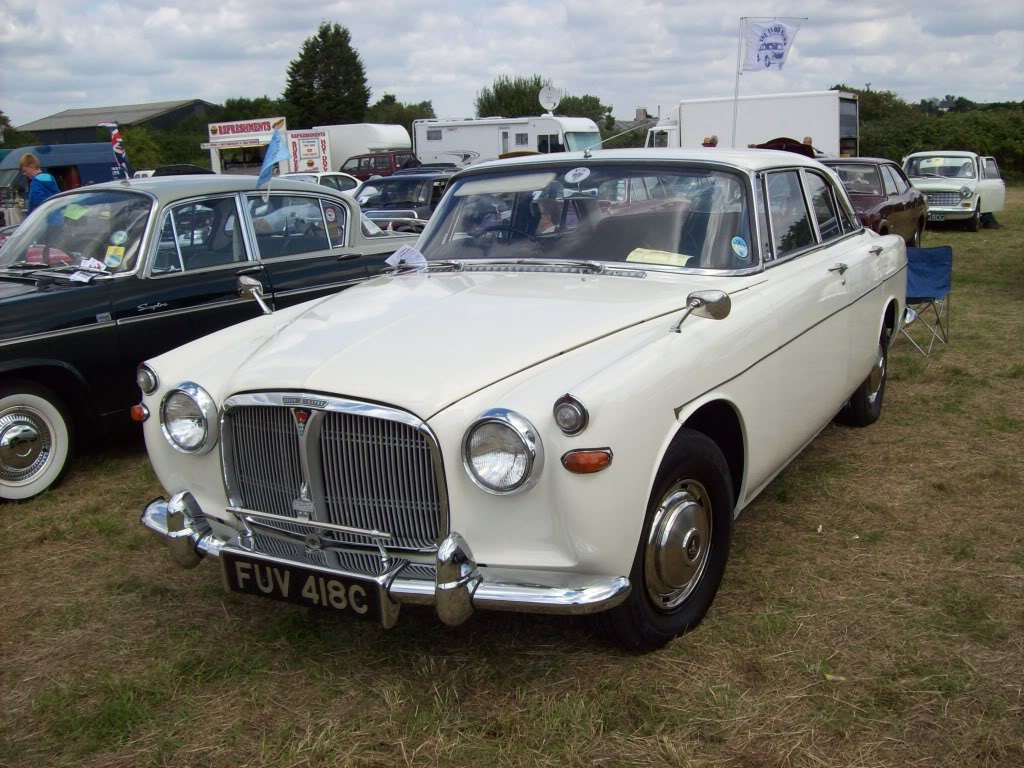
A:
[(59, 54)]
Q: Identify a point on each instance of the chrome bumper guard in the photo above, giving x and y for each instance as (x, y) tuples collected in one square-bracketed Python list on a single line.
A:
[(459, 587)]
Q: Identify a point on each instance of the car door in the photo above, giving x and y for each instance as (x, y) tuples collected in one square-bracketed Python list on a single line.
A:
[(913, 203), (305, 244), (891, 212), (809, 374), (187, 287), (992, 188)]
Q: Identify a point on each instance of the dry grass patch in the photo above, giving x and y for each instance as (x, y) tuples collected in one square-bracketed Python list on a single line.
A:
[(872, 615)]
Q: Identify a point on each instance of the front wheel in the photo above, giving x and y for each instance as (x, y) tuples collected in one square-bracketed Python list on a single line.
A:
[(974, 223), (915, 241), (681, 556), (865, 405), (35, 440)]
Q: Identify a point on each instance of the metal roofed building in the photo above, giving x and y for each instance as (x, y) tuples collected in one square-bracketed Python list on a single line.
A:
[(79, 125)]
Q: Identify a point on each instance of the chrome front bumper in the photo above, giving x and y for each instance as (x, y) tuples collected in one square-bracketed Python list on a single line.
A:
[(459, 586)]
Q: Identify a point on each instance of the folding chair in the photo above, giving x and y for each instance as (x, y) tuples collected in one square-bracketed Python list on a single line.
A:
[(929, 283)]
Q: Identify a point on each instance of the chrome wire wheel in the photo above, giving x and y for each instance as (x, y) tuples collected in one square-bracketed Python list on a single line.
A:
[(26, 442), (877, 376), (678, 545)]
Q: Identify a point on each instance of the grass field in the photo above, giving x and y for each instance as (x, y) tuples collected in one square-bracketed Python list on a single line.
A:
[(872, 614)]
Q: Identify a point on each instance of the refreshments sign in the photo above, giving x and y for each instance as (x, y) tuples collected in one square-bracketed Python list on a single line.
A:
[(309, 151)]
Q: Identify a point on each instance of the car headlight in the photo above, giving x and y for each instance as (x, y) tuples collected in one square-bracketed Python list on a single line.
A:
[(147, 379), (966, 191), (188, 418), (502, 452)]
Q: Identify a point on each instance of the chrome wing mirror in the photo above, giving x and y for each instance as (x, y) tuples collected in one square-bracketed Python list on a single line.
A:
[(251, 288), (714, 305)]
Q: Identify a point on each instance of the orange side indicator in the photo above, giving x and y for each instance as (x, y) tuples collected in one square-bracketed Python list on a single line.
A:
[(587, 461), (140, 413)]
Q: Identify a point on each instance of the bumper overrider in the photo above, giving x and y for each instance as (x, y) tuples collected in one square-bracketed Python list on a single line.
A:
[(459, 586)]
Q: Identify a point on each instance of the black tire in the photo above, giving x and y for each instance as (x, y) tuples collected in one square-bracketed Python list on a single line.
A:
[(864, 407), (36, 440), (974, 223), (638, 624)]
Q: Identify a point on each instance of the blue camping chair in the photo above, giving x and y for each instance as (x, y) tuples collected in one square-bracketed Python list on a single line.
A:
[(929, 283)]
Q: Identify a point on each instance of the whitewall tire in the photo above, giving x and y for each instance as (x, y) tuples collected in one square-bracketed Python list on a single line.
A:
[(35, 440)]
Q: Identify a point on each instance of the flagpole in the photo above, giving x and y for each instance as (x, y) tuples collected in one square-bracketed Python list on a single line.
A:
[(736, 93)]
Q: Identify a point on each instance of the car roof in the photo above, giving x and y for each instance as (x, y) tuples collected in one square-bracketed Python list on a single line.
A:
[(845, 160), (742, 159), (944, 153), (169, 188), (413, 176)]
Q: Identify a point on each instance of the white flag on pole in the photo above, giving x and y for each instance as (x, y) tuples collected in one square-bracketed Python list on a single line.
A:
[(767, 44)]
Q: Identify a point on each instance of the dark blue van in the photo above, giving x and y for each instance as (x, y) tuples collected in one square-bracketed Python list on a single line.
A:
[(72, 165)]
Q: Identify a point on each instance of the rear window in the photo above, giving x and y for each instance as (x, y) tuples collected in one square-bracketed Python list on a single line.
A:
[(859, 178)]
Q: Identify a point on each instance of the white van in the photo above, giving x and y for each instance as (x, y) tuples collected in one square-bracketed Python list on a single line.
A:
[(465, 142)]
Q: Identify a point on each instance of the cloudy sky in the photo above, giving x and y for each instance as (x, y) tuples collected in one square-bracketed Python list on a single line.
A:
[(60, 54)]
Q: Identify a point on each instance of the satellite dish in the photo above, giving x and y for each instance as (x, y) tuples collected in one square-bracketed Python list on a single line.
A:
[(549, 97)]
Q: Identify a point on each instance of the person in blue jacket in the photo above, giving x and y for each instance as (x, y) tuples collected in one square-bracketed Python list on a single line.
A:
[(42, 186)]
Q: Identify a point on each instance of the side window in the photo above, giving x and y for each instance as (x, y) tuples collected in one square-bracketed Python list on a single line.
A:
[(336, 216), (824, 206), (888, 181), (168, 257), (287, 225), (433, 134), (365, 163), (991, 169), (437, 192), (849, 220), (902, 183), (205, 235), (329, 181), (382, 163), (344, 184), (787, 209), (522, 139), (542, 144), (351, 164)]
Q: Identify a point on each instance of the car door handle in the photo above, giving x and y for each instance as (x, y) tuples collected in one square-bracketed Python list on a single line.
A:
[(249, 270), (875, 249), (349, 256), (840, 268)]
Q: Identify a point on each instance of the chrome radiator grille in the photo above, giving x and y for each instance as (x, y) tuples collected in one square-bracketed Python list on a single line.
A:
[(944, 199), (359, 465)]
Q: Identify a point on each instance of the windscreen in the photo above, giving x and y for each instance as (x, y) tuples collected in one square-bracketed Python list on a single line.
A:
[(107, 226), (690, 217), (941, 166), (577, 141)]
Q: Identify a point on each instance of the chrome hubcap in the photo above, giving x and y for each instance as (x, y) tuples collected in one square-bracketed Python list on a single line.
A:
[(877, 376), (25, 444), (678, 545)]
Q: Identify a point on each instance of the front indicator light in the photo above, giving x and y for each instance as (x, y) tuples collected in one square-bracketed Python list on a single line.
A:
[(140, 413), (587, 462)]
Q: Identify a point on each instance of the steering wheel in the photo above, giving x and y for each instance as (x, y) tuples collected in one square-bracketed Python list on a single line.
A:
[(510, 228)]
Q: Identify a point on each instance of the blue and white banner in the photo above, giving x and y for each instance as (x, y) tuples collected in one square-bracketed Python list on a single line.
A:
[(120, 153), (767, 44), (277, 151)]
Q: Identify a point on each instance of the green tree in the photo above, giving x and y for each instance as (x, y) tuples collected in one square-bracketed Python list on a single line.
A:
[(243, 108), (389, 110), (327, 81), (875, 105), (587, 106), (511, 97), (142, 146), (11, 138)]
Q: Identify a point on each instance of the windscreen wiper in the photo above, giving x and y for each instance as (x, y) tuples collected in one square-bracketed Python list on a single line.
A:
[(590, 266)]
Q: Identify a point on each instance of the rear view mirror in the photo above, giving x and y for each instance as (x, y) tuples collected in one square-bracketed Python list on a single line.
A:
[(251, 288)]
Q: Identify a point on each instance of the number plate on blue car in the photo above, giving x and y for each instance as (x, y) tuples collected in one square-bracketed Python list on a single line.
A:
[(294, 584)]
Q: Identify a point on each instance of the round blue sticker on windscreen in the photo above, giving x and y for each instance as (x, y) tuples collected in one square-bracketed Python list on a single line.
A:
[(739, 247)]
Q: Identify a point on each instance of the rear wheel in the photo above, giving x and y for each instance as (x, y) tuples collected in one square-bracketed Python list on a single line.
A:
[(915, 241), (865, 405), (683, 549), (35, 440)]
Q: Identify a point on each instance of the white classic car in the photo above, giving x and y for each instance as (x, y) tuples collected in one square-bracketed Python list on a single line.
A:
[(960, 186), (558, 404)]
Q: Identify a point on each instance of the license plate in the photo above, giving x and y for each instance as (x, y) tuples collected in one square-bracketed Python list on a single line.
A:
[(936, 217), (304, 586)]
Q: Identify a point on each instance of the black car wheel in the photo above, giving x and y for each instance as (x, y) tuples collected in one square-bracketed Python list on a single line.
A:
[(681, 556), (974, 223)]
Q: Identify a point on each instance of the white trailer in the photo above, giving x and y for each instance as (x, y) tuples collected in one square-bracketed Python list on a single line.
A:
[(830, 118), (465, 142), (347, 141)]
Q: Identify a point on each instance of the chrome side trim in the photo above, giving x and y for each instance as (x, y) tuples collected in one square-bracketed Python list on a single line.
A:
[(325, 287), (55, 334), (182, 311)]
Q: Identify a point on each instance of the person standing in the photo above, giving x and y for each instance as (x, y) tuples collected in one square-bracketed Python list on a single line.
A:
[(42, 186)]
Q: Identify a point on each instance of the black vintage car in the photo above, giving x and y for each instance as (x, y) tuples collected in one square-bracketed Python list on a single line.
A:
[(406, 200), (101, 278)]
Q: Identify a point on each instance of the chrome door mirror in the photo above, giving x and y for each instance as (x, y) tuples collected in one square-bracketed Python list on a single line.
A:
[(714, 305), (251, 288)]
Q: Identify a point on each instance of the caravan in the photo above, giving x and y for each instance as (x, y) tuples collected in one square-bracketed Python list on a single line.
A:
[(466, 142)]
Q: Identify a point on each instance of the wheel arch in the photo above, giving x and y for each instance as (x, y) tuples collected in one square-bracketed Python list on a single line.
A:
[(890, 318), (719, 420), (62, 378)]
